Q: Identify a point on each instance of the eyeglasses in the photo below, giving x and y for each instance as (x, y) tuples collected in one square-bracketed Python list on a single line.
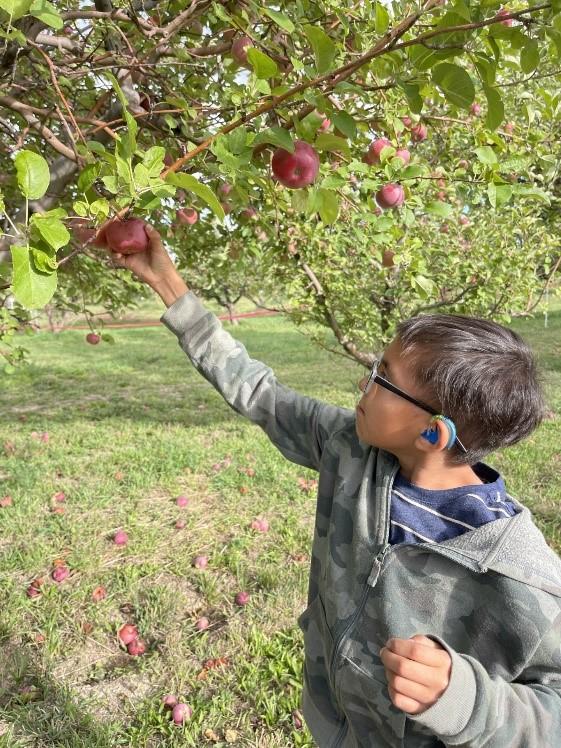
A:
[(376, 378)]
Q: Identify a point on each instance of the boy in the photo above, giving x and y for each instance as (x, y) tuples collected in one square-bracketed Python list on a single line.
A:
[(434, 604)]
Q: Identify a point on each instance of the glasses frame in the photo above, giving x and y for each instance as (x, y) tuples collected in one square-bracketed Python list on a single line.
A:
[(374, 377)]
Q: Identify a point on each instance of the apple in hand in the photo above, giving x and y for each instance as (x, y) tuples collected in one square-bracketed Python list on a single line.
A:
[(390, 196), (124, 237), (298, 169)]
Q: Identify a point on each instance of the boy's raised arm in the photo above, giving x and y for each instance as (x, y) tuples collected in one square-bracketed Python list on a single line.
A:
[(299, 426)]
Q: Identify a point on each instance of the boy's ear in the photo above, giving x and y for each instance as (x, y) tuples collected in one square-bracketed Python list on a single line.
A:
[(434, 438)]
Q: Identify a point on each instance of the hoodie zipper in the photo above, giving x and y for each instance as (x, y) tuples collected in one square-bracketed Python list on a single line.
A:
[(341, 734)]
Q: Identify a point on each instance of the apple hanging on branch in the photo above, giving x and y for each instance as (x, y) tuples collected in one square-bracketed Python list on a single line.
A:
[(187, 216), (239, 49), (298, 169), (390, 196)]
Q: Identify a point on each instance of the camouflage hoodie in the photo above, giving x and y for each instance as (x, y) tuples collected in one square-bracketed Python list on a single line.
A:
[(491, 597)]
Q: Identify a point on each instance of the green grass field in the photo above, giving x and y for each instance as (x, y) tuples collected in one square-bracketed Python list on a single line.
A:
[(131, 427)]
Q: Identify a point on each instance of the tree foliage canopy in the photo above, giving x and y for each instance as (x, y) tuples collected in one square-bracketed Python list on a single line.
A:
[(144, 108)]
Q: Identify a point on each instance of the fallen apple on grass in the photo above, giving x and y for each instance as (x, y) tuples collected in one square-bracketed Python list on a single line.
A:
[(200, 562), (180, 713), (120, 538), (128, 633), (242, 598), (60, 573), (182, 501), (136, 647), (99, 594), (202, 624)]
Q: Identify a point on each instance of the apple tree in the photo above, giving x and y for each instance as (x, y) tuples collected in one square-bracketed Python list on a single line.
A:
[(381, 159)]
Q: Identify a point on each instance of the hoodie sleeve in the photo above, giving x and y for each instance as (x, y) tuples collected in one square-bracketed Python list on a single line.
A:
[(478, 710), (298, 426)]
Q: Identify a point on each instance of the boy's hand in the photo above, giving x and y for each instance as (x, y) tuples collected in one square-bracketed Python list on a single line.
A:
[(417, 670), (152, 266)]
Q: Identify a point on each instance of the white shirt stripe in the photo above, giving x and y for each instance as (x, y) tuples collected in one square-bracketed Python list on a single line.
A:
[(490, 508), (432, 511), (418, 534)]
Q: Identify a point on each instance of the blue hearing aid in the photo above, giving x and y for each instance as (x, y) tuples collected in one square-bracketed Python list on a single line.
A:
[(431, 434)]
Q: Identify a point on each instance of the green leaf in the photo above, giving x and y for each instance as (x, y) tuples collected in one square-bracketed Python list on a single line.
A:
[(439, 208), (189, 183), (486, 155), (325, 141), (87, 177), (280, 19), (495, 108), (412, 171), (382, 20), (44, 259), (529, 56), (499, 194), (30, 287), (129, 139), (328, 206), (153, 160), (53, 231), (142, 176), (32, 173), (455, 83), (111, 184), (262, 65), (425, 286), (324, 49), (276, 136), (525, 190), (15, 8), (414, 99), (46, 12), (345, 123)]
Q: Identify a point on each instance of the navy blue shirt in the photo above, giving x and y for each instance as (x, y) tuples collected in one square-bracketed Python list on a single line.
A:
[(420, 515)]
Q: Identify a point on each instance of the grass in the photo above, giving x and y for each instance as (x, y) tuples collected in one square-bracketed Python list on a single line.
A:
[(130, 427)]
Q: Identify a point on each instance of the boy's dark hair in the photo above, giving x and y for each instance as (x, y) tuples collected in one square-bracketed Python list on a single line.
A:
[(478, 373)]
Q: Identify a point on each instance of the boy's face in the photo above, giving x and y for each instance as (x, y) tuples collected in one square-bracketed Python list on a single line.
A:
[(385, 420)]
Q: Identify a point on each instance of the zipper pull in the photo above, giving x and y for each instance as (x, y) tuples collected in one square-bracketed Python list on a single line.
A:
[(377, 566)]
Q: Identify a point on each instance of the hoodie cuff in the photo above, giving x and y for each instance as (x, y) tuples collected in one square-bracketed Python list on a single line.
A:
[(184, 313), (451, 713)]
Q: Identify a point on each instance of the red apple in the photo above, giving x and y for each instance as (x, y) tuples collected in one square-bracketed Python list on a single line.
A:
[(120, 538), (475, 109), (93, 338), (509, 128), (200, 562), (225, 188), (242, 598), (372, 155), (202, 624), (407, 121), (99, 594), (169, 701), (182, 500), (501, 17), (126, 237), (390, 196), (325, 125), (180, 524), (168, 159), (444, 228), (239, 49), (463, 220), (180, 713), (418, 133), (60, 573), (298, 169), (6, 501), (128, 633), (463, 164), (404, 155), (136, 647), (187, 216)]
